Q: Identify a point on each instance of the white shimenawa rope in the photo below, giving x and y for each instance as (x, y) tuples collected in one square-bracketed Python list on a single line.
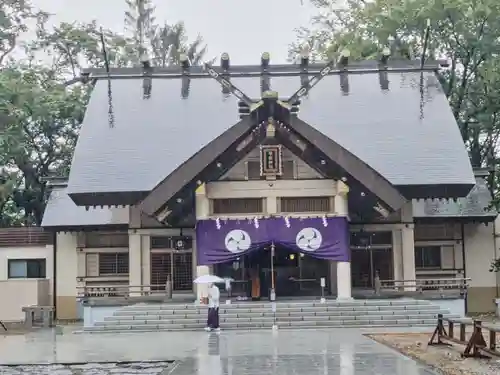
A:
[(287, 222), (325, 223), (256, 222)]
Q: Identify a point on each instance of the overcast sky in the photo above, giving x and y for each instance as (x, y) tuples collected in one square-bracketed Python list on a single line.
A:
[(243, 28)]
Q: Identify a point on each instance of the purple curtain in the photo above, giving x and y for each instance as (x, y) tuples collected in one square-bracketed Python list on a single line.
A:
[(220, 241)]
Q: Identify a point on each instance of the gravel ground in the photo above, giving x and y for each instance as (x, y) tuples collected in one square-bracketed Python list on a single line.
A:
[(446, 359), (143, 368)]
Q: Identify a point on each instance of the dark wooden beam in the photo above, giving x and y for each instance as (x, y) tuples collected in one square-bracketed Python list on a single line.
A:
[(194, 169), (312, 157), (355, 168), (214, 172)]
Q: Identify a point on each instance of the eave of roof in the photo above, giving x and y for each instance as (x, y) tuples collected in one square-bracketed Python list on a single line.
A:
[(62, 213)]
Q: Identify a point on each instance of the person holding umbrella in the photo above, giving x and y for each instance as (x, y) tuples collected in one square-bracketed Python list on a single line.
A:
[(213, 308), (213, 300)]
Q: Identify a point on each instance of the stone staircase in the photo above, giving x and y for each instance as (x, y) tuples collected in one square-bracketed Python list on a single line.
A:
[(251, 315)]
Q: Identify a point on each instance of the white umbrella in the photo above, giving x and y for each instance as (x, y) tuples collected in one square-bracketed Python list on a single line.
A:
[(208, 279)]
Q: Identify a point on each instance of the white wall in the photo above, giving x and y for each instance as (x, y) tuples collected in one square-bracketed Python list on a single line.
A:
[(479, 253), (18, 293)]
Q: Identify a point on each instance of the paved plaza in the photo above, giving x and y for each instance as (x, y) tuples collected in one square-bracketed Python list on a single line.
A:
[(305, 352)]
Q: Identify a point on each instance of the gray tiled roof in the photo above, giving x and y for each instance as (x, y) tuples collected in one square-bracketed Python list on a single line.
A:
[(474, 205), (61, 211), (386, 129)]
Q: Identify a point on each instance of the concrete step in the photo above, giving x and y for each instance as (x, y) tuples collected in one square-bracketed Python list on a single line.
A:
[(267, 325), (268, 312), (157, 322), (194, 310), (308, 304), (308, 314), (278, 315)]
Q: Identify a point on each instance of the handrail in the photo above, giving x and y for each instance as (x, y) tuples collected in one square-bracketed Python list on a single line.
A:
[(419, 285), (476, 345), (120, 290), (424, 281)]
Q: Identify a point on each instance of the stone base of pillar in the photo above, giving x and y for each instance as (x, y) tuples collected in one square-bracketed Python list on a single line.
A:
[(201, 289), (344, 281)]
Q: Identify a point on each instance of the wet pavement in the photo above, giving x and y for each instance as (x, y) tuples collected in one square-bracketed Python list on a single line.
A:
[(305, 352)]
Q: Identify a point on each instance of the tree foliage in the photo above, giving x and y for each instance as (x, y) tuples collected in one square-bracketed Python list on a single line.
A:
[(464, 32), (42, 103)]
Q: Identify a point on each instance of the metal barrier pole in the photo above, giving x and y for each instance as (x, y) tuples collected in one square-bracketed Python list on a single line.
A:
[(323, 285)]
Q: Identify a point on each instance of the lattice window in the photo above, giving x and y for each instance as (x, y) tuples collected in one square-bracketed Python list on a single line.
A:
[(238, 206), (111, 264), (161, 269), (305, 204), (102, 240), (183, 271), (176, 266)]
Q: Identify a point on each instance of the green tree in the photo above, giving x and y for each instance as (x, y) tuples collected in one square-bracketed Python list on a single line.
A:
[(42, 114), (43, 103), (465, 33), (39, 137), (14, 16), (165, 43)]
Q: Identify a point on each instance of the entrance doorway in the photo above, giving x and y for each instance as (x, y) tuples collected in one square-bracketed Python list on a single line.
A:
[(295, 274), (365, 264)]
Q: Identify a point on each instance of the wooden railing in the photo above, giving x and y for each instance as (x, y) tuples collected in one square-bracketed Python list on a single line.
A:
[(441, 285), (476, 345), (123, 290)]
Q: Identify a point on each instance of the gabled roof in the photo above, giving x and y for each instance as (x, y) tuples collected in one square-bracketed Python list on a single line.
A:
[(409, 137)]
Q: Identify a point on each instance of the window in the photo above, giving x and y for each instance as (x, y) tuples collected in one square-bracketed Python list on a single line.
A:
[(113, 264), (309, 204), (27, 269), (428, 257), (238, 206)]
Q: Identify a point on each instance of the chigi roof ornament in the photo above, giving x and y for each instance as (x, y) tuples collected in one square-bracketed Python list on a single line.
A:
[(260, 109), (186, 80)]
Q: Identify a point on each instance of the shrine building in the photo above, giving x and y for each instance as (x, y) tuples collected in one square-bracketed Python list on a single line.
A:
[(314, 178)]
